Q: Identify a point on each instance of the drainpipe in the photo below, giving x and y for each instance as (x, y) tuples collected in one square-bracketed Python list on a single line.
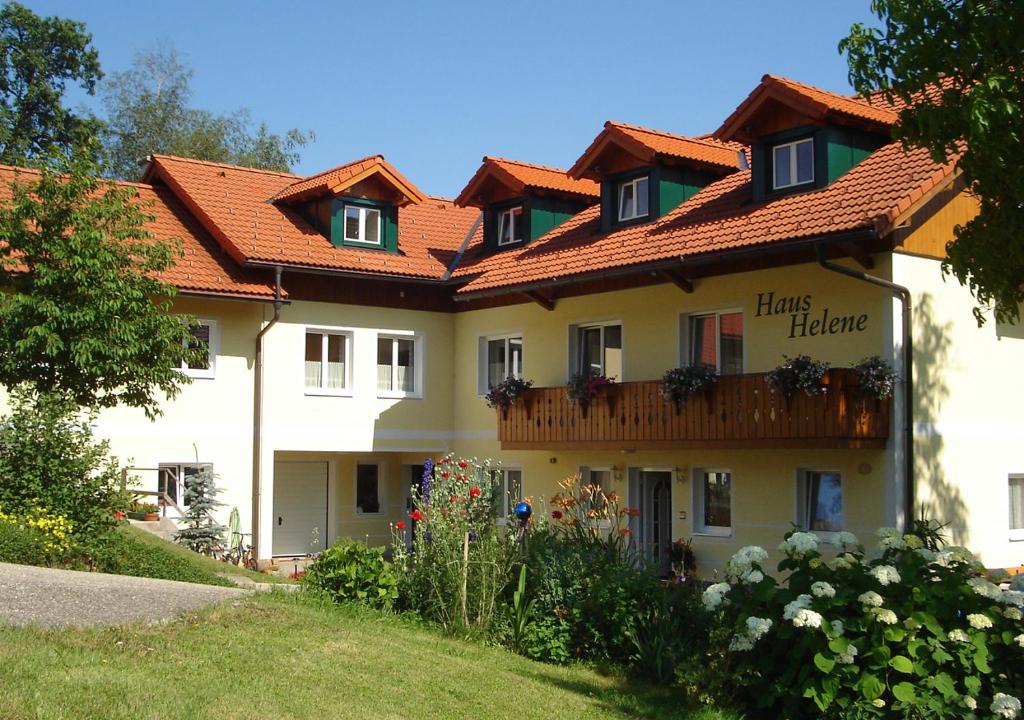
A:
[(257, 413), (903, 294)]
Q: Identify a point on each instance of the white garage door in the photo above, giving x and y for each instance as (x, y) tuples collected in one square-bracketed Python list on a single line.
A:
[(300, 507)]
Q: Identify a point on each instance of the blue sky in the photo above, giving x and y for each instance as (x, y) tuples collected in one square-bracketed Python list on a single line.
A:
[(434, 86)]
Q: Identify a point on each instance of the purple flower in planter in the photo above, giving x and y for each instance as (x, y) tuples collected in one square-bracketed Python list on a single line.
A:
[(426, 482)]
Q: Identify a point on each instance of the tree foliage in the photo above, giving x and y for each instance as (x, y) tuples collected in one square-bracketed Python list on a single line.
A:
[(85, 314), (958, 66), (148, 112), (39, 58), (201, 533)]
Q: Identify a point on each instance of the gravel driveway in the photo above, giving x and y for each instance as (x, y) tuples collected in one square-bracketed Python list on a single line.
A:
[(41, 596)]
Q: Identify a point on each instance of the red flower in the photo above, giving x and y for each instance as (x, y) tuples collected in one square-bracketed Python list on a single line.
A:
[(453, 499), (556, 514), (463, 464), (400, 524), (446, 474), (416, 515), (475, 492), (119, 515), (624, 532), (461, 477)]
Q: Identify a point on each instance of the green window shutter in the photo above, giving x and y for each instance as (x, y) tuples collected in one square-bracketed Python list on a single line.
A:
[(337, 222), (390, 215)]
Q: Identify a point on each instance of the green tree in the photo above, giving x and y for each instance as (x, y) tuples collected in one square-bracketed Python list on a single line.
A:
[(39, 57), (85, 313), (201, 533), (148, 112), (957, 64)]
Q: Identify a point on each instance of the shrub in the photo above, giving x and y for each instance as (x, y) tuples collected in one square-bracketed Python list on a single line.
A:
[(349, 571), (914, 633), (875, 377), (798, 373), (461, 559), (679, 384), (22, 544), (49, 458), (201, 533), (120, 552)]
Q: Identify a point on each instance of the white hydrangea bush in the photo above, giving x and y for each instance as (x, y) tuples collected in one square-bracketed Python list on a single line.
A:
[(908, 630)]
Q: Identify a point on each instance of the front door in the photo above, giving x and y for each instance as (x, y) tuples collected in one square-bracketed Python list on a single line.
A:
[(651, 492), (300, 508)]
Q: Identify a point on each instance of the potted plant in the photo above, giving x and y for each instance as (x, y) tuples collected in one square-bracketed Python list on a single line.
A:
[(679, 384), (583, 387), (150, 512), (798, 373), (505, 393), (876, 378)]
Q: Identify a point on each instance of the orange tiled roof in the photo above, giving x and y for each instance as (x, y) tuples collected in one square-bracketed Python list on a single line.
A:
[(233, 204), (204, 268), (649, 143), (520, 176), (720, 217), (344, 176), (811, 99)]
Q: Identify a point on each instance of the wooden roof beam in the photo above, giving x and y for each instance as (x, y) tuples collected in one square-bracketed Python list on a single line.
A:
[(545, 301), (858, 253), (684, 284)]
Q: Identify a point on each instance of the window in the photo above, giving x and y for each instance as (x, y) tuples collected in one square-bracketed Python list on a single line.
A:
[(396, 371), (327, 360), (203, 335), (716, 340), (820, 501), (362, 224), (793, 163), (171, 479), (633, 198), (500, 358), (367, 489), (712, 512), (599, 350), (508, 492), (1017, 507), (510, 225)]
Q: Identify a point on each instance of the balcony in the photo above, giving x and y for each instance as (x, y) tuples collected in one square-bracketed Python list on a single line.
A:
[(737, 412)]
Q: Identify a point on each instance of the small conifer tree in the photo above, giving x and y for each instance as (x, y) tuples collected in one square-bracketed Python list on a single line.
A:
[(201, 533)]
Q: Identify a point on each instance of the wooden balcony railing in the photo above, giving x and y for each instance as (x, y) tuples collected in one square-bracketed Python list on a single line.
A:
[(738, 411)]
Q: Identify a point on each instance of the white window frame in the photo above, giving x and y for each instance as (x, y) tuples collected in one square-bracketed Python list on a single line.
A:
[(213, 349), (698, 526), (1015, 534), (506, 505), (686, 339), (482, 385), (179, 470), (576, 349), (514, 216), (632, 182), (364, 210), (381, 484), (417, 355), (802, 478), (793, 163), (322, 389)]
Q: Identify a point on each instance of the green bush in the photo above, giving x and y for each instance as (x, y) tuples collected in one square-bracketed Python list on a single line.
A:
[(49, 459), (916, 632), (119, 553), (349, 571), (23, 545)]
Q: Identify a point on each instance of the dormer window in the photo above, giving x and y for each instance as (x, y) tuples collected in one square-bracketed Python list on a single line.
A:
[(362, 224), (633, 198), (793, 163), (510, 226)]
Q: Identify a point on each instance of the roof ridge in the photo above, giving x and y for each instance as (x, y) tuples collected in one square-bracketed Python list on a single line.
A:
[(853, 98), (524, 163), (342, 166), (34, 171), (211, 163)]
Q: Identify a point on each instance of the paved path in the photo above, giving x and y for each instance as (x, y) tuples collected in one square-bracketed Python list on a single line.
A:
[(42, 596)]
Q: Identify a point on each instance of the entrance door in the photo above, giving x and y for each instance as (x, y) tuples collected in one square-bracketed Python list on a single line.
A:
[(300, 508), (651, 492)]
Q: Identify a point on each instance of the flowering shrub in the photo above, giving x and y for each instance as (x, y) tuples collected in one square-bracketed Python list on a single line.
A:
[(34, 537), (915, 632), (679, 384), (461, 556), (876, 377), (587, 515), (349, 571), (584, 385), (505, 393), (798, 373)]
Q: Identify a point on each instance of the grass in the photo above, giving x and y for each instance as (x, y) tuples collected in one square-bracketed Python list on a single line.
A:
[(282, 655)]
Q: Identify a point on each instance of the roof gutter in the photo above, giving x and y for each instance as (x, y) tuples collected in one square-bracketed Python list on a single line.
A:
[(257, 412), (355, 275), (683, 261), (903, 294)]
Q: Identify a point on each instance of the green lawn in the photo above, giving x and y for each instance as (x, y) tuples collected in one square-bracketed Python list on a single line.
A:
[(280, 656)]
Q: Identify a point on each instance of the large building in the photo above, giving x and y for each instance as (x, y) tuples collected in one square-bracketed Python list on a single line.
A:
[(355, 324)]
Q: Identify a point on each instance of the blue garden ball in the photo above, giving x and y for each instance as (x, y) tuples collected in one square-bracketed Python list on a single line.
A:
[(523, 511)]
